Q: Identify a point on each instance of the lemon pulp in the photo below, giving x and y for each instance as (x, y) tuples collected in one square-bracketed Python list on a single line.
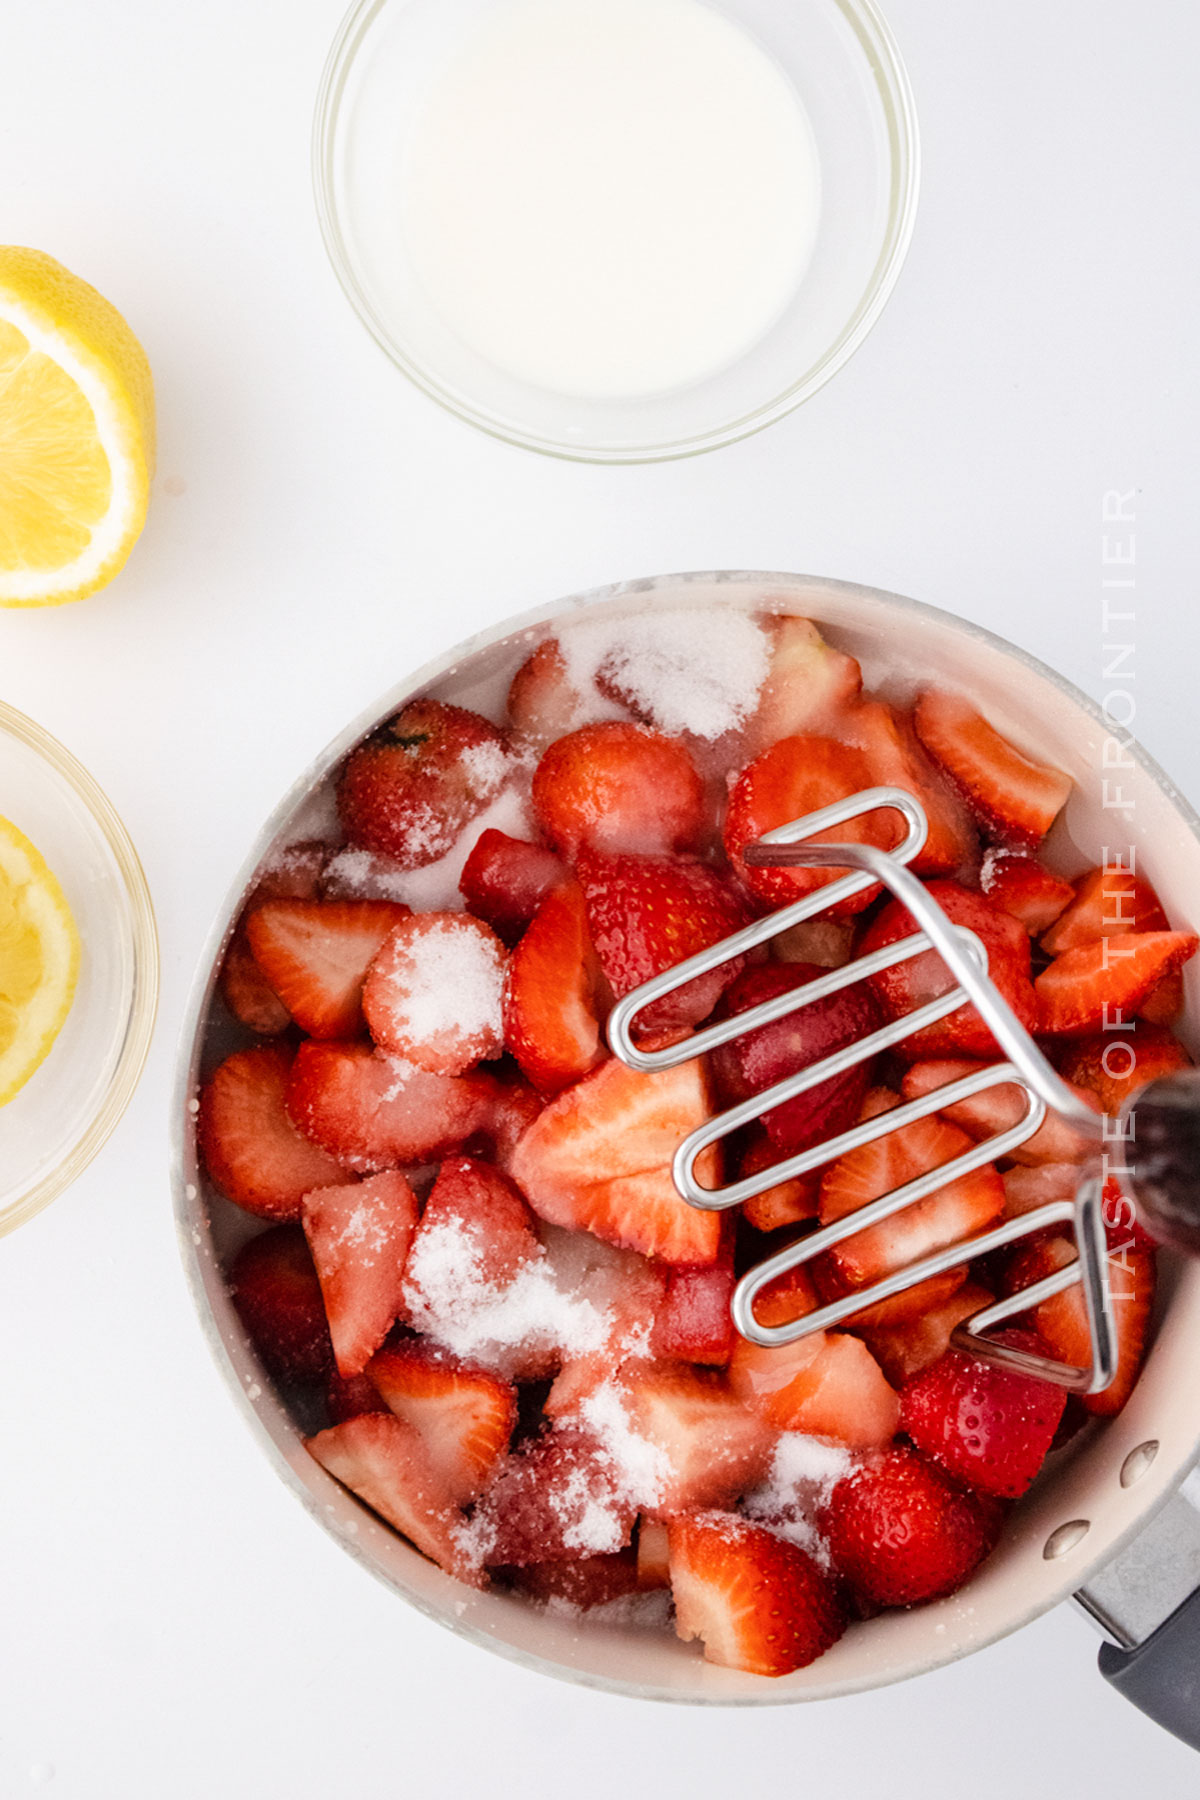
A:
[(39, 959)]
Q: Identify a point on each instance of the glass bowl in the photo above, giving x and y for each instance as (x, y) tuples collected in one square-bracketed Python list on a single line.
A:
[(843, 62), (1090, 1487), (53, 1127)]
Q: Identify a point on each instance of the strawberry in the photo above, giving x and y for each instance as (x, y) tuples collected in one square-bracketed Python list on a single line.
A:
[(250, 1147), (514, 1108), (905, 986), (1022, 886), (825, 942), (625, 1289), (411, 789), (996, 1109), (887, 740), (988, 1427), (315, 954), (555, 1497), (756, 1601), (713, 1448), (374, 1111), (787, 1298), (693, 1323), (274, 1287), (599, 1159), (1061, 1321), (825, 1385), (1015, 799), (1103, 984), (505, 880), (759, 1058), (653, 1554), (247, 992), (1114, 1064), (912, 1302), (789, 1202), (950, 1214), (905, 1349), (359, 1238), (799, 775), (553, 996), (647, 914), (808, 687), (1106, 902), (617, 787), (1028, 1188), (583, 1583), (544, 702), (465, 1415), (435, 990), (350, 1396), (901, 1532), (385, 1462)]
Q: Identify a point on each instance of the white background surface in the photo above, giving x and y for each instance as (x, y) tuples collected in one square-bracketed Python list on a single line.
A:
[(171, 1624)]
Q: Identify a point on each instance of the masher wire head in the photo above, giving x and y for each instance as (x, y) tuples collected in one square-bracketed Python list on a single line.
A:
[(1025, 1068)]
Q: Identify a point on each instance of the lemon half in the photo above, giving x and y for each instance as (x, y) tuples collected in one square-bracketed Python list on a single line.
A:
[(39, 959), (76, 433)]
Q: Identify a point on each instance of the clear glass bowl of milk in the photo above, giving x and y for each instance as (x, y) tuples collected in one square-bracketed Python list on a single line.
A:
[(617, 230)]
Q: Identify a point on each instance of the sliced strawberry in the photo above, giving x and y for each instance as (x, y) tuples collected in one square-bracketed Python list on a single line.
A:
[(757, 1602), (1114, 1064), (902, 1532), (350, 1396), (544, 701), (1106, 902), (647, 914), (553, 994), (1062, 1320), (435, 992), (759, 1058), (911, 1302), (464, 1414), (904, 1350), (514, 1108), (1104, 983), (1022, 886), (359, 1237), (653, 1554), (1014, 798), (316, 953), (796, 776), (384, 1461), (505, 880), (410, 789), (583, 1583), (617, 788), (905, 986), (789, 1202), (808, 687), (950, 1214), (250, 1147), (693, 1323), (887, 740), (1026, 1189), (787, 1298), (713, 1448), (988, 1427), (247, 992), (374, 1111), (555, 1498), (599, 1159), (996, 1109), (274, 1287), (826, 1385)]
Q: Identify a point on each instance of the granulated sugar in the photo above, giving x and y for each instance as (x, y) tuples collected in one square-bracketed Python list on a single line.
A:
[(629, 1612), (435, 887), (640, 1469), (363, 875), (804, 1472), (697, 671), (446, 978)]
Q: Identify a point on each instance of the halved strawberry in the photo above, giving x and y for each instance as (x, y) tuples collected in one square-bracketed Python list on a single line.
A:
[(553, 995), (1106, 902), (693, 1322), (1015, 799), (359, 1237), (464, 1414), (1062, 1320), (758, 1059), (905, 986), (434, 993), (247, 992), (950, 1214), (374, 1111), (712, 1447), (385, 1462), (544, 701), (808, 686), (1036, 1185), (1024, 887), (1114, 1064), (756, 1601), (583, 1583), (274, 1287), (556, 1497), (1103, 983), (599, 1159), (826, 1385), (350, 1396), (988, 1427), (789, 1202), (647, 914), (316, 953), (905, 1349), (410, 789), (799, 775), (505, 880), (617, 788), (653, 1554), (887, 740), (994, 1110), (250, 1147), (902, 1532)]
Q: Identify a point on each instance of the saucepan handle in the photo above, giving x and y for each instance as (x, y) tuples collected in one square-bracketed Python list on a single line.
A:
[(1162, 1676)]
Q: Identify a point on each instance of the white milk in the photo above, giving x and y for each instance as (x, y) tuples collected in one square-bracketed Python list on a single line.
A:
[(610, 197)]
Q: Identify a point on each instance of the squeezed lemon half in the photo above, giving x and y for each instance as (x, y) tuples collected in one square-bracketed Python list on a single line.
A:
[(76, 433), (39, 959)]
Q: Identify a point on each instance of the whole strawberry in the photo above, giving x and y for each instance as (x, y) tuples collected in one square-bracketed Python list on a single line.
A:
[(901, 1532), (987, 1426), (408, 791)]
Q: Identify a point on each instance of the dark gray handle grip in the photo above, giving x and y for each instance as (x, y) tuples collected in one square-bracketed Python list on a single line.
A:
[(1162, 1675)]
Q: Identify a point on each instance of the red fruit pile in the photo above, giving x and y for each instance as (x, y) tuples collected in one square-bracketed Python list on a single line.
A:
[(475, 1265)]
